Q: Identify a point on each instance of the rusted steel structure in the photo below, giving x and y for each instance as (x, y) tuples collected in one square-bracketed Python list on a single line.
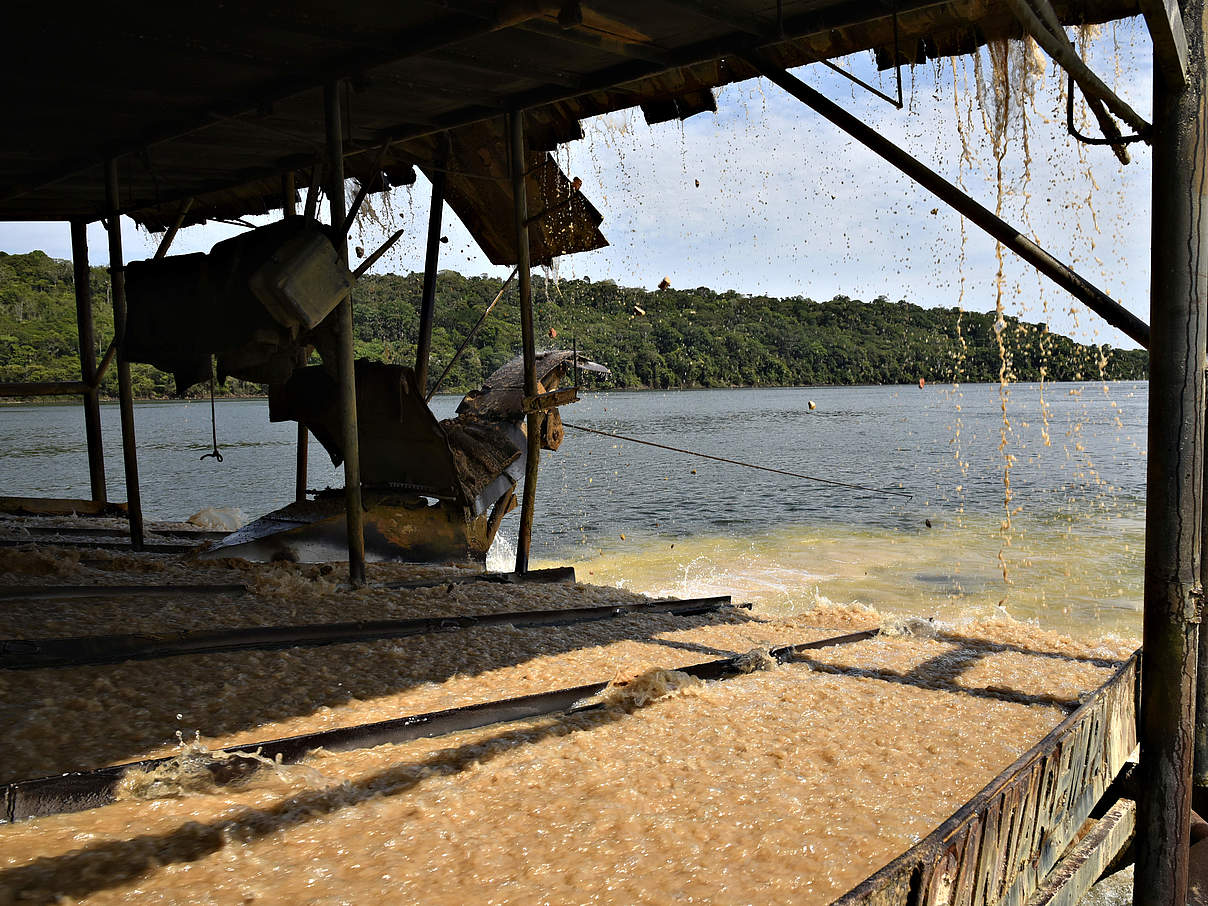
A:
[(249, 103)]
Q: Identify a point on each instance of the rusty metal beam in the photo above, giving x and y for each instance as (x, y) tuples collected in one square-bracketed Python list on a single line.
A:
[(117, 281), (82, 278), (515, 126), (427, 306), (83, 592), (1174, 477), (289, 208), (22, 654), (346, 366), (1061, 274)]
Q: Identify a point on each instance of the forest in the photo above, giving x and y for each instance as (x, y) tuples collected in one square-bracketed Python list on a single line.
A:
[(650, 339)]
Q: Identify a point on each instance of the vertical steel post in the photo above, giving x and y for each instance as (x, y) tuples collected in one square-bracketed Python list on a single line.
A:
[(117, 280), (427, 309), (520, 208), (289, 208), (92, 403), (1174, 479), (346, 365)]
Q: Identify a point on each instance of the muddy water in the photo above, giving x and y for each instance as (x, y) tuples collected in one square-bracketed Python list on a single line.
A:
[(795, 782)]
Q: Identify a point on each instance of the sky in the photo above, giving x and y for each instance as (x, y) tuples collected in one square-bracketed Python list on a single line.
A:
[(766, 197)]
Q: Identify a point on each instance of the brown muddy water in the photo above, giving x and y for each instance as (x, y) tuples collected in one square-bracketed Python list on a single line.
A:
[(797, 781)]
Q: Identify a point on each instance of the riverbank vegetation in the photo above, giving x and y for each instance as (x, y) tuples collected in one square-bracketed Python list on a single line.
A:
[(668, 339)]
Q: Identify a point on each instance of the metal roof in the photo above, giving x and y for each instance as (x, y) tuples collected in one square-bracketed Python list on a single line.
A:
[(215, 100)]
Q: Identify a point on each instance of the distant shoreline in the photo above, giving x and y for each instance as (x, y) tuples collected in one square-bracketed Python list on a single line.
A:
[(75, 400)]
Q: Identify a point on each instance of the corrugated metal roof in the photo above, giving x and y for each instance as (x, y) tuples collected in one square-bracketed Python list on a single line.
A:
[(215, 101)]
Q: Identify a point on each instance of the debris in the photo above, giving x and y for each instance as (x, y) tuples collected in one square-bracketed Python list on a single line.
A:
[(553, 334), (638, 310), (813, 405), (360, 251), (665, 284), (697, 181)]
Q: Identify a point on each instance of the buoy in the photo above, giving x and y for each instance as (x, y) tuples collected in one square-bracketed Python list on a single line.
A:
[(813, 405)]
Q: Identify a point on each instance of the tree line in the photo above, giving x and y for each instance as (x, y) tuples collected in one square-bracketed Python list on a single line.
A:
[(650, 339)]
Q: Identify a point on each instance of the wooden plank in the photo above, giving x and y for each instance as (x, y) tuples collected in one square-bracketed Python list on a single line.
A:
[(1086, 860)]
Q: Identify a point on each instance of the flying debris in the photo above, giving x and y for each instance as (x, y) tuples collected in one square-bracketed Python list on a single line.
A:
[(813, 405), (665, 283)]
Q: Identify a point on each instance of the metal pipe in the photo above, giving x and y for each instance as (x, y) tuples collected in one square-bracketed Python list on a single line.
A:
[(1107, 125), (1064, 54), (106, 361), (469, 336), (117, 281), (289, 208), (515, 125), (382, 249), (37, 654), (1174, 479), (1061, 274), (166, 242), (346, 365), (82, 274), (427, 306)]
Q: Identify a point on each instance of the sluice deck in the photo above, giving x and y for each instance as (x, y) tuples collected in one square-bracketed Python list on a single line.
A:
[(935, 765)]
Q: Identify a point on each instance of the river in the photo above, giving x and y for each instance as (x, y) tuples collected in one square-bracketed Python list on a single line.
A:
[(1032, 502)]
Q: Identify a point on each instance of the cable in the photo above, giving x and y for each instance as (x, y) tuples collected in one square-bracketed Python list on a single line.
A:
[(736, 462)]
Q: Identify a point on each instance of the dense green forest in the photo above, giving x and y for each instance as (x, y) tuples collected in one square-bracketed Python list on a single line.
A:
[(674, 338)]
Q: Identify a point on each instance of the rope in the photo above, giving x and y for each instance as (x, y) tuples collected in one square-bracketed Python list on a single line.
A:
[(736, 462), (213, 420)]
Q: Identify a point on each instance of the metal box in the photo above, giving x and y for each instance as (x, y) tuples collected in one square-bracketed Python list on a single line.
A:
[(302, 281)]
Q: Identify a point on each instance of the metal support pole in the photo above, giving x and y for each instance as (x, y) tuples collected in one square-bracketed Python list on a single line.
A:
[(1061, 274), (1174, 479), (117, 280), (289, 208), (427, 308), (346, 365), (92, 403), (524, 284)]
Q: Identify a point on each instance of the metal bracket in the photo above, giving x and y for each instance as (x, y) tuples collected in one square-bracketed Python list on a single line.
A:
[(897, 66), (1169, 40)]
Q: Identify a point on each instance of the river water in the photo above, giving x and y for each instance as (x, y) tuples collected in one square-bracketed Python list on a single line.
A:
[(1032, 502)]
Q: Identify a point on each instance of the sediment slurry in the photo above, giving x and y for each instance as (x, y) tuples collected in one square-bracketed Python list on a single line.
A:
[(796, 781)]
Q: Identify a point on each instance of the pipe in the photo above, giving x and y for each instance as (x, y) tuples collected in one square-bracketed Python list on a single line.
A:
[(1060, 49), (117, 280), (346, 365), (37, 654), (1174, 479), (1061, 274), (289, 208), (1106, 124), (382, 249), (92, 404), (106, 361), (427, 307), (469, 336), (515, 125)]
